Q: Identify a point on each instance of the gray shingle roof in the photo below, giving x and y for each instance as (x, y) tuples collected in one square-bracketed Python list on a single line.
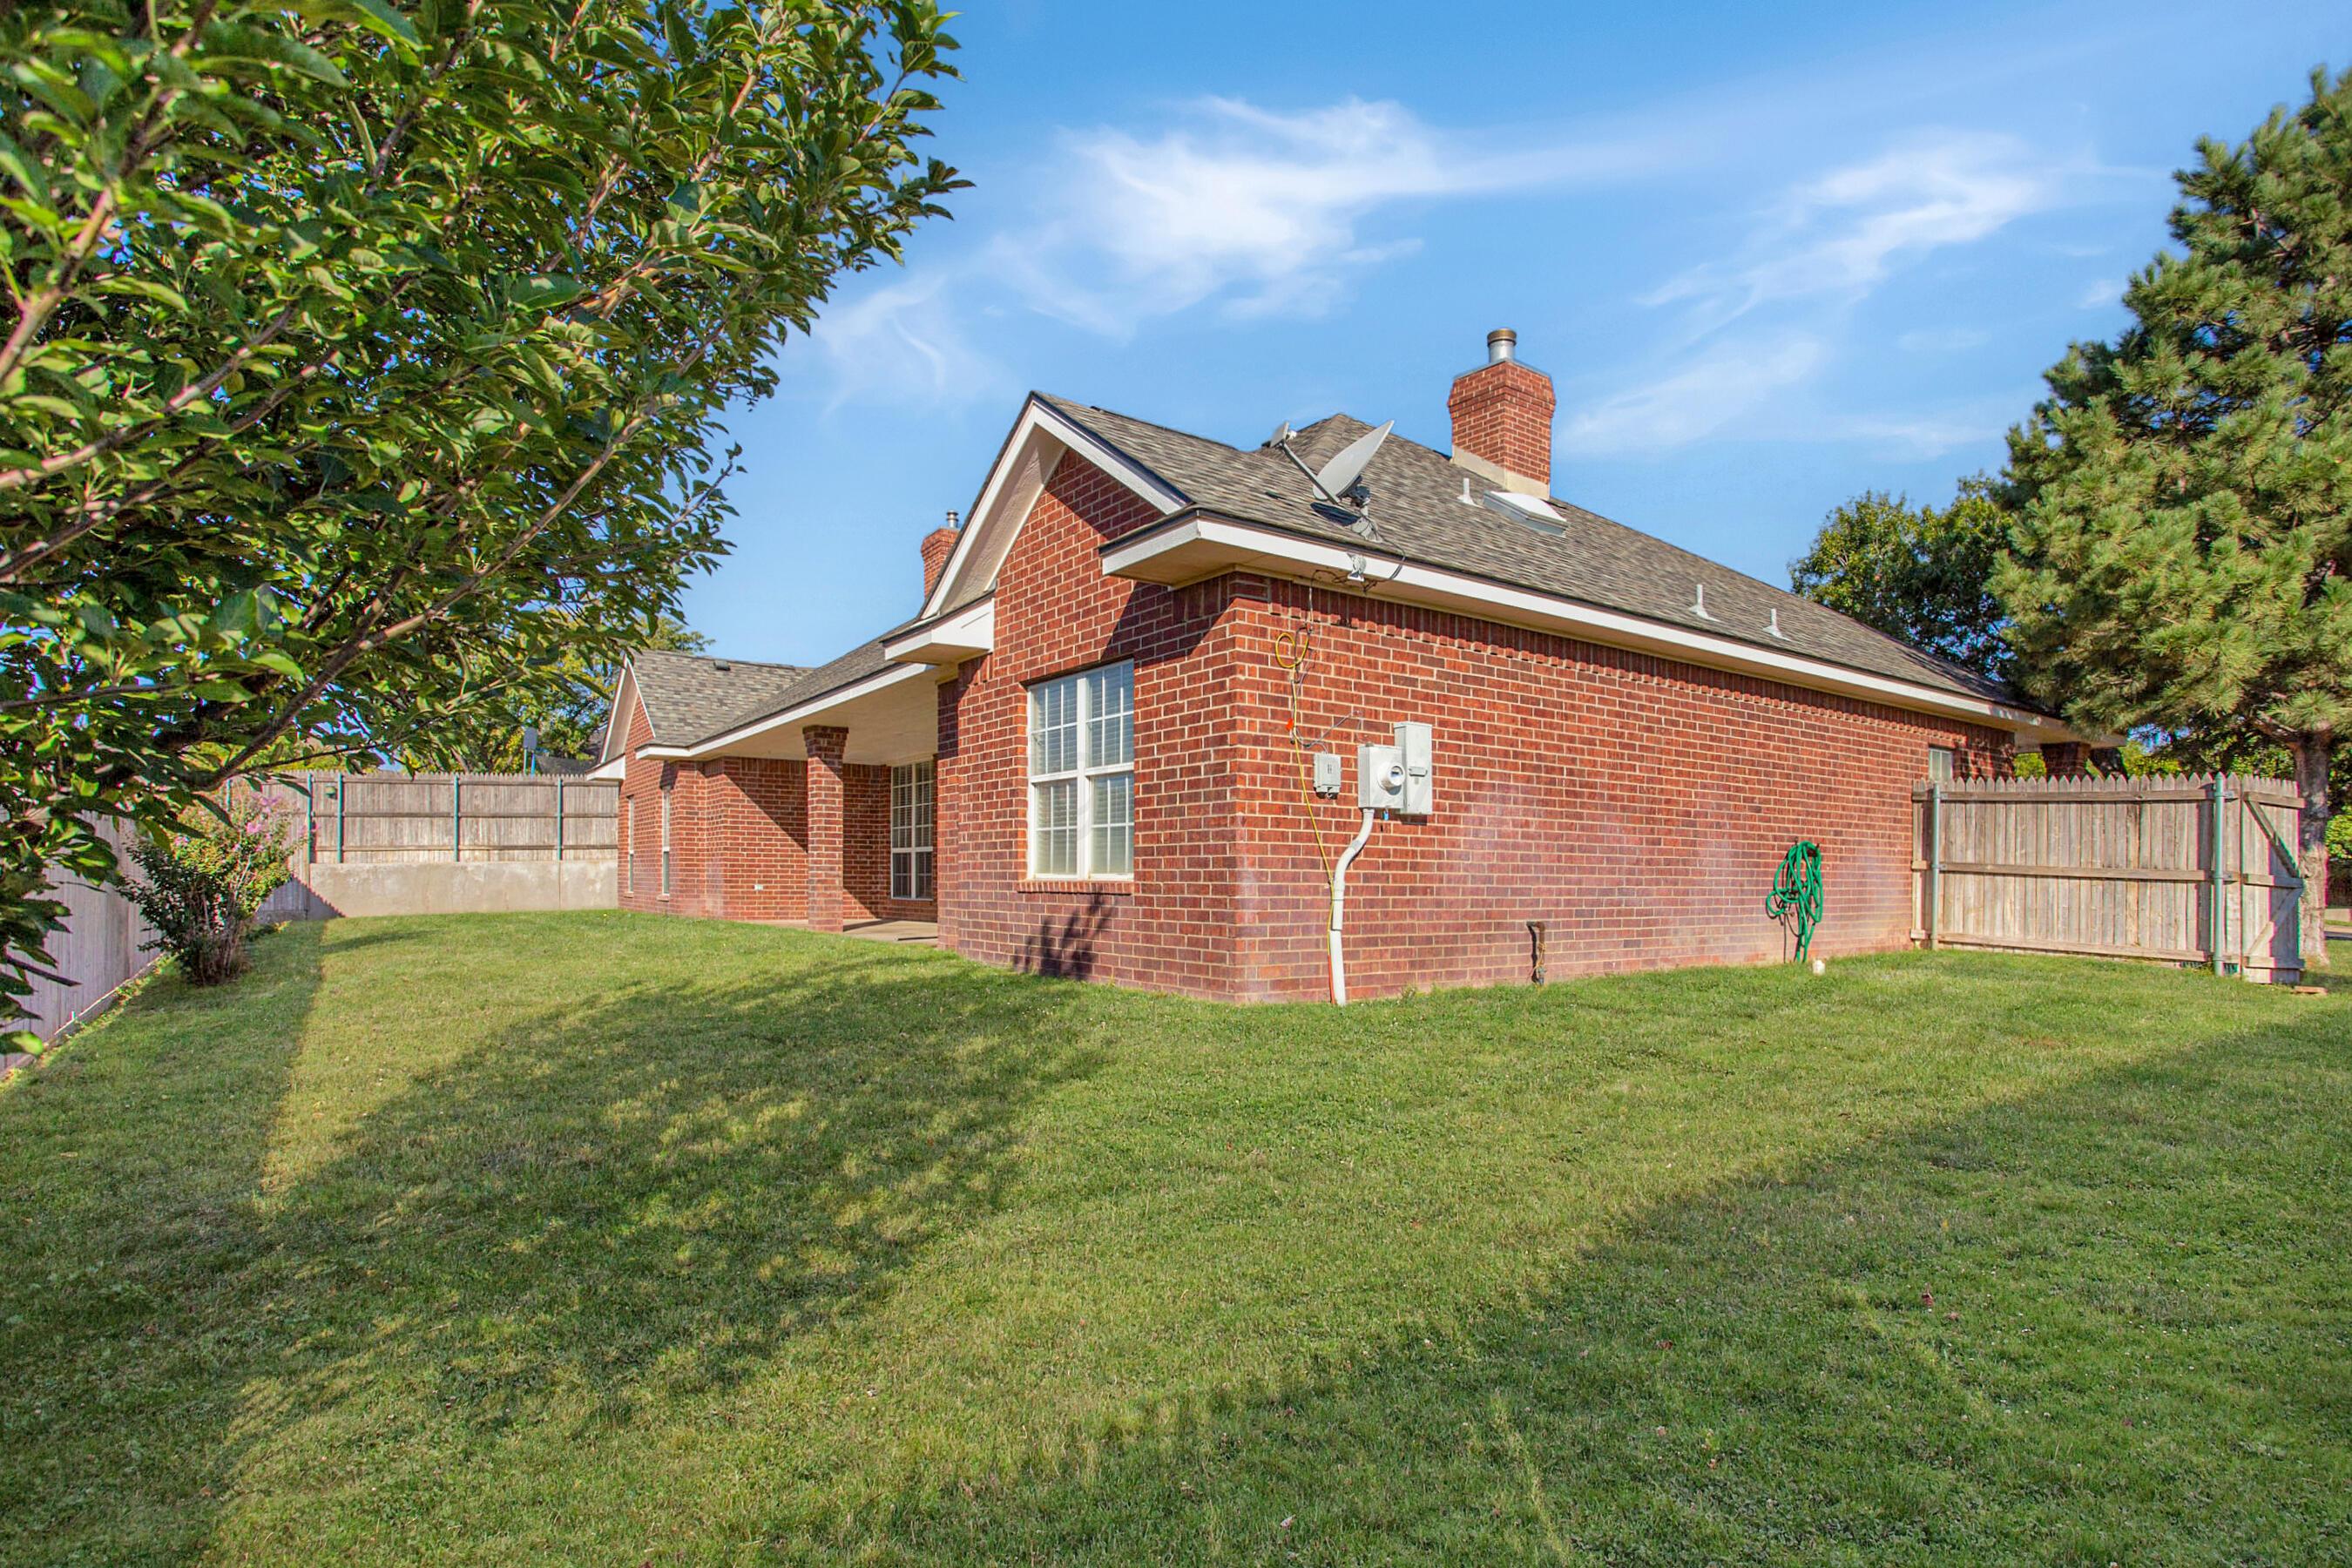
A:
[(1418, 509), (851, 667), (691, 695)]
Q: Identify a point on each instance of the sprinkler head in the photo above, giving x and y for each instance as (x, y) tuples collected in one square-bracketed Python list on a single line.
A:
[(1819, 967)]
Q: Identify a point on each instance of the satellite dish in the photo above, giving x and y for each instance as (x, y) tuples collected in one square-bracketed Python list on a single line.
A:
[(1282, 432), (1340, 474)]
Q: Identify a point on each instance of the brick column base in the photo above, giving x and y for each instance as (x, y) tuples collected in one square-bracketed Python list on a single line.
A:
[(825, 744), (2066, 759)]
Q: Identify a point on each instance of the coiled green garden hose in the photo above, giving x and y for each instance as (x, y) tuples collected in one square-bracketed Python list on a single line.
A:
[(1796, 890)]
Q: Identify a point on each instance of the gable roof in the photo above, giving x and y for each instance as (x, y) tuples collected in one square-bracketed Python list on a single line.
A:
[(1418, 513), (689, 695)]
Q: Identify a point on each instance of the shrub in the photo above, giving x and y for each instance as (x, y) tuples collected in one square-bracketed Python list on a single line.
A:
[(200, 886)]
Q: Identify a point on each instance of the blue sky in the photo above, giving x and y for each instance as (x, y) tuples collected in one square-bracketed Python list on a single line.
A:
[(1770, 256)]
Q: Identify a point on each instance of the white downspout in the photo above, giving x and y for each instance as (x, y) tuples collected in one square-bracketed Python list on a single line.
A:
[(1340, 907)]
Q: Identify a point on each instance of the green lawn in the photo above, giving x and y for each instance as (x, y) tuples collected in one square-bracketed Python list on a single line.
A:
[(600, 1239)]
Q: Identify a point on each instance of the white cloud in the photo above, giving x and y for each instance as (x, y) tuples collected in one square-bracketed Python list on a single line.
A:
[(1842, 234), (2100, 294), (1942, 339), (1926, 435), (1250, 211), (904, 344), (1720, 387), (1257, 211)]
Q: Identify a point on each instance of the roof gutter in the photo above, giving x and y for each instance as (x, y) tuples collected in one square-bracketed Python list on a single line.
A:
[(1197, 544)]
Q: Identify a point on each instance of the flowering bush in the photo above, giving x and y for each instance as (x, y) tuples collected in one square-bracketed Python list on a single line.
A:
[(199, 888)]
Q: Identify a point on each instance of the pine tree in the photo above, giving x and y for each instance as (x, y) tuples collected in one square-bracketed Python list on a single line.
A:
[(2184, 495)]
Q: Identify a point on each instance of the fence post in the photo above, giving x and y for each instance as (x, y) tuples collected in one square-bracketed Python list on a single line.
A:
[(342, 788), (559, 816), (1935, 879), (2221, 797), (309, 788), (456, 817)]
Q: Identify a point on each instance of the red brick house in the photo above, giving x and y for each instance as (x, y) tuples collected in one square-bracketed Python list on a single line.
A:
[(1093, 751)]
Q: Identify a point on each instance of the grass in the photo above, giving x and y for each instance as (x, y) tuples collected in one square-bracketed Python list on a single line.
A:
[(599, 1238)]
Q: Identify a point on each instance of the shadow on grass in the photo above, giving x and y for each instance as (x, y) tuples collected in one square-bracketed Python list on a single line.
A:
[(592, 1209), (383, 1283), (2103, 1323), (636, 1198), (130, 1240)]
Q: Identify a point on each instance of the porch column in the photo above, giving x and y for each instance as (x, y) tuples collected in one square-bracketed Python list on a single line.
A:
[(825, 744)]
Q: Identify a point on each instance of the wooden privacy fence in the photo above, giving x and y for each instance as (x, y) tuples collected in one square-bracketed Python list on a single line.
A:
[(390, 818), (2197, 869), (102, 945)]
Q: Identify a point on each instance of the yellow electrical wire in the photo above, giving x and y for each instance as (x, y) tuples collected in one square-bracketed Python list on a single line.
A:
[(1300, 640)]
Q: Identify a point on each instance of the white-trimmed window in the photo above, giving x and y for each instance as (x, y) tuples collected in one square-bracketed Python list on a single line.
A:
[(911, 808), (1082, 774), (1941, 763), (665, 824)]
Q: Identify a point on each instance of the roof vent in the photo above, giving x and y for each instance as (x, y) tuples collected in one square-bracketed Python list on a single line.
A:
[(1698, 605), (1772, 628), (721, 665)]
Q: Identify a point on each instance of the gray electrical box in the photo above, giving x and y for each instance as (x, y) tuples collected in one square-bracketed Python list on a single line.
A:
[(1379, 778), (1331, 774), (1414, 748)]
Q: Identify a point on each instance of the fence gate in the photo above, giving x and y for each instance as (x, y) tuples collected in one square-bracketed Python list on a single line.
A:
[(2194, 868)]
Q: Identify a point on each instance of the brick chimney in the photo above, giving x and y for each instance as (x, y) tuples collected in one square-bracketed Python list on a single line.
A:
[(1502, 418), (938, 545)]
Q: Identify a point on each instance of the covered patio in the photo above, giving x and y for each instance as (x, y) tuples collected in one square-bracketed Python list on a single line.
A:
[(821, 814)]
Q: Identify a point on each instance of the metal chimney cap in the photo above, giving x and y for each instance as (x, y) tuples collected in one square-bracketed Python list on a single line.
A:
[(1502, 343), (955, 520)]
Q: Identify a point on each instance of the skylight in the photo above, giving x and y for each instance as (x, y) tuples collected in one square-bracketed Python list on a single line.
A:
[(1532, 511)]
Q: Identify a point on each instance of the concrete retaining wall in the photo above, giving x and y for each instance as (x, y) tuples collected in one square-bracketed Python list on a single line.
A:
[(448, 888)]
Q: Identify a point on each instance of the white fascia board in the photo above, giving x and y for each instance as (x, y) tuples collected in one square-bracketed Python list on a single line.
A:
[(967, 634), (608, 770), (1039, 420), (625, 697), (1203, 546), (807, 712)]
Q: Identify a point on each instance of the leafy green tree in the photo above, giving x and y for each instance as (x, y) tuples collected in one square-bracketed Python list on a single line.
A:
[(1923, 573), (2185, 493), (568, 716), (362, 358)]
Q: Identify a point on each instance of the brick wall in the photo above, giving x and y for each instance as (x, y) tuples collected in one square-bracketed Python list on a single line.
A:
[(1637, 805), (865, 874), (758, 808), (739, 835), (1056, 613)]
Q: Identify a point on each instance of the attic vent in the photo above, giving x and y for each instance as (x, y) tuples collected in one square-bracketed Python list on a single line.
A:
[(1530, 510), (1698, 605), (1773, 627), (721, 665)]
